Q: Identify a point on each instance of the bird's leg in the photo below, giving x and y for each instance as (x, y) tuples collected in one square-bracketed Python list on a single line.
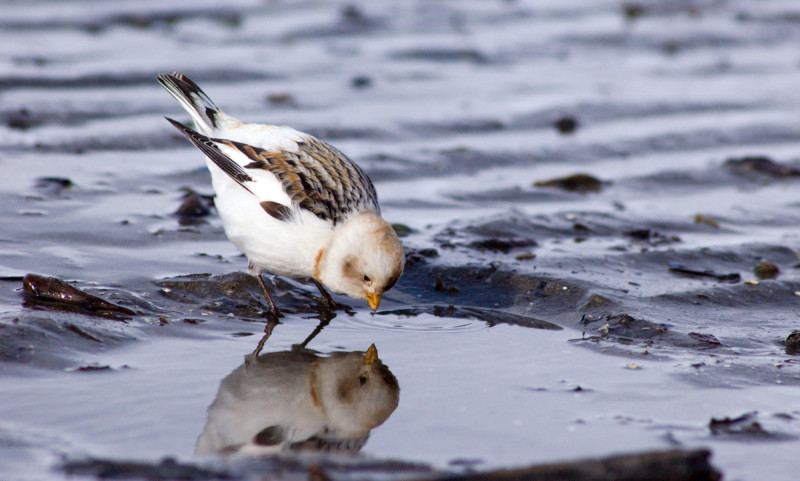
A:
[(325, 296), (322, 323), (272, 321), (267, 332), (273, 309)]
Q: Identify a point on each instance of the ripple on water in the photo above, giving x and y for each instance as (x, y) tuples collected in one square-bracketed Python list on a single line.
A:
[(392, 321), (444, 319)]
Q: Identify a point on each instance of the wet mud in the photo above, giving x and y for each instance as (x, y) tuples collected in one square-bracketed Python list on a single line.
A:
[(625, 176), (668, 465)]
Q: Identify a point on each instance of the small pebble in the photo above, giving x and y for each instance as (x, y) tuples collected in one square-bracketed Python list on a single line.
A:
[(566, 125), (793, 343), (282, 99), (361, 82), (766, 270)]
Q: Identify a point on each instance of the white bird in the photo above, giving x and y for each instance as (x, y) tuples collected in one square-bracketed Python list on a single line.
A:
[(293, 204), (298, 400)]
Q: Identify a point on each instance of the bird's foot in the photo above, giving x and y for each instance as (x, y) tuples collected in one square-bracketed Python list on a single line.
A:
[(328, 304), (273, 314)]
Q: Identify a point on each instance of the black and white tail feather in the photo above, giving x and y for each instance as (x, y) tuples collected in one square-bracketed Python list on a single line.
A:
[(203, 110)]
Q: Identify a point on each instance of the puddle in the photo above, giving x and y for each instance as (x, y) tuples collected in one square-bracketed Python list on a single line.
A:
[(599, 206)]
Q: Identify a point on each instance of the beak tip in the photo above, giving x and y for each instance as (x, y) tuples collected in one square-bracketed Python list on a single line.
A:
[(374, 301), (371, 356)]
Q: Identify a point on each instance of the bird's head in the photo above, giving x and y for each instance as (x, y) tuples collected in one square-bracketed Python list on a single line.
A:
[(356, 391), (363, 260)]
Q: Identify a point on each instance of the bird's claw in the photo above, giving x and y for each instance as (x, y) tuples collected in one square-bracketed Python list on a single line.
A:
[(273, 314), (328, 304)]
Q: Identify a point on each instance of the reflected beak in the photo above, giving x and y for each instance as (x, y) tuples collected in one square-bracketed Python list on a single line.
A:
[(371, 357), (374, 301)]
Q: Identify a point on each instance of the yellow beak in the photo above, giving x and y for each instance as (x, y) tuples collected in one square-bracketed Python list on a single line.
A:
[(374, 301), (371, 357)]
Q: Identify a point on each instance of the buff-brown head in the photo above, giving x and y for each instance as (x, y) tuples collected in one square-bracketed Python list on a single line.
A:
[(364, 259)]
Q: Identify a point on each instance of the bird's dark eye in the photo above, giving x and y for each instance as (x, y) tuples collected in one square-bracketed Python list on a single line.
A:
[(366, 278), (362, 380)]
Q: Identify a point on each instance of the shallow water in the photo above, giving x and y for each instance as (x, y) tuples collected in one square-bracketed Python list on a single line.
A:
[(450, 106)]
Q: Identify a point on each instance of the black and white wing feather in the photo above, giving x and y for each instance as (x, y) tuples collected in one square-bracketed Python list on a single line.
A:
[(316, 177)]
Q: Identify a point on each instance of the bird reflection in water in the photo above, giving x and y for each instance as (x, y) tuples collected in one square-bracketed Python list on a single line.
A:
[(300, 400)]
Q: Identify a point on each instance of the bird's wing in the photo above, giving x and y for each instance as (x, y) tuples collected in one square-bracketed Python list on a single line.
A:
[(316, 176), (210, 148)]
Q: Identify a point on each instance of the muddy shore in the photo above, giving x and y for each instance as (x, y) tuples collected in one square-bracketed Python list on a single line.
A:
[(599, 202)]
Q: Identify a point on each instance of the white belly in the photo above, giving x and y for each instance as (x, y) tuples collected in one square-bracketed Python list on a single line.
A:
[(275, 246)]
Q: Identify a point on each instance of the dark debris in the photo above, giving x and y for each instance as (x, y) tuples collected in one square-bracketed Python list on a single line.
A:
[(761, 165), (503, 245), (580, 183), (54, 293), (732, 277), (793, 343), (766, 270)]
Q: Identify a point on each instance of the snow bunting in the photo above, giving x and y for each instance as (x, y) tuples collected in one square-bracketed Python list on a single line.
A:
[(298, 400), (293, 204)]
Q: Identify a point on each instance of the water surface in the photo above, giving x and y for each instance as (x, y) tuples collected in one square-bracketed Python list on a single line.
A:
[(456, 110)]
